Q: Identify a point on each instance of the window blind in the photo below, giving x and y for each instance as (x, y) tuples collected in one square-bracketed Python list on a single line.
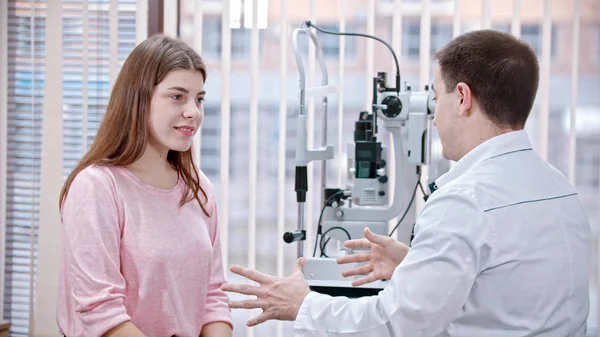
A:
[(26, 29), (85, 90), (96, 77)]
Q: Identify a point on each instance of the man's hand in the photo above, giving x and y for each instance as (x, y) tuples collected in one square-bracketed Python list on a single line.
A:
[(279, 297), (385, 255)]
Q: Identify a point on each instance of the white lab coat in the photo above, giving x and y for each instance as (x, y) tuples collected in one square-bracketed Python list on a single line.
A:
[(501, 248)]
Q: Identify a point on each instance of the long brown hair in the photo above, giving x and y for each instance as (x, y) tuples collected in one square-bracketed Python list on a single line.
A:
[(123, 133)]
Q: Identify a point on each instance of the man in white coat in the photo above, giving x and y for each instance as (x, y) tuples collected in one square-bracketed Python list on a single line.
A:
[(502, 245)]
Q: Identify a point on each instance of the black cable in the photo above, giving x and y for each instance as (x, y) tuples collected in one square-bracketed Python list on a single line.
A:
[(324, 246), (327, 231), (310, 24), (423, 190), (319, 228), (412, 198)]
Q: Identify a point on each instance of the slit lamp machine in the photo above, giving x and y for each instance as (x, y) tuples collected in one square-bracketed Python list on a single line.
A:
[(365, 200)]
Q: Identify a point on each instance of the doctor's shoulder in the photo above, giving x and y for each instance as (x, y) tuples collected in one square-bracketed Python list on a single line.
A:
[(452, 214), (466, 186), (488, 187)]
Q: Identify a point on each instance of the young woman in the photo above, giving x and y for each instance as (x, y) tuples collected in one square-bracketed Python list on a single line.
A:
[(141, 252)]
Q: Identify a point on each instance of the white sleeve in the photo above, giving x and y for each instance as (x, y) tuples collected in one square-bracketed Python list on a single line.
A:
[(428, 288)]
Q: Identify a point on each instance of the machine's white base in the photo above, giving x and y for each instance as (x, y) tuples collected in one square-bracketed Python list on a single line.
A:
[(324, 275)]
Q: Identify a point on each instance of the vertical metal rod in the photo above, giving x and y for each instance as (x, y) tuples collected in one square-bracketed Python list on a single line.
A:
[(370, 59), (253, 146), (456, 20), (282, 145), (141, 21), (424, 79), (340, 124), (574, 91), (85, 77), (3, 140), (34, 187), (486, 14), (198, 23), (323, 144), (113, 42), (310, 136), (170, 18), (225, 130), (301, 227), (515, 28), (544, 90)]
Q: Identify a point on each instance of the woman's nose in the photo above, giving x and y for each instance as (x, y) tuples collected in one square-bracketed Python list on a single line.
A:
[(192, 112)]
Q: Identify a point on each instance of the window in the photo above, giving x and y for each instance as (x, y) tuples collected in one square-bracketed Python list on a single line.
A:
[(210, 153), (411, 44), (211, 40), (73, 81), (330, 44), (587, 162), (25, 113), (419, 1), (596, 51), (532, 35), (501, 27), (98, 73), (25, 98), (441, 34), (240, 42), (211, 37)]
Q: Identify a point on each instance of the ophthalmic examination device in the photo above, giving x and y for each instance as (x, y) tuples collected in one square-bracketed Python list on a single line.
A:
[(366, 199)]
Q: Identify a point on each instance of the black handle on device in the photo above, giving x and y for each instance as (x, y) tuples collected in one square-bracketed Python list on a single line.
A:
[(290, 237)]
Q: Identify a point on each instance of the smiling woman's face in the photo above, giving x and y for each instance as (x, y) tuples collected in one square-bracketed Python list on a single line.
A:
[(176, 110)]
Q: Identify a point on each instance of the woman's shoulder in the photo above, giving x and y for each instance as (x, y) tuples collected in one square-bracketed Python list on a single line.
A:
[(204, 180), (94, 183), (206, 185), (95, 173), (97, 179)]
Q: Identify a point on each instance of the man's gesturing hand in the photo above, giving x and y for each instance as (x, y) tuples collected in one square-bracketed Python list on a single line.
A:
[(385, 255), (280, 298)]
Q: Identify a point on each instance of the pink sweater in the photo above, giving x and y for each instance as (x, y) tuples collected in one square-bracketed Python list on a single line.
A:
[(131, 253)]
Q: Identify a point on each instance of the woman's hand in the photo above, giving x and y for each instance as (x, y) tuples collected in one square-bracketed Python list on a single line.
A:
[(384, 256)]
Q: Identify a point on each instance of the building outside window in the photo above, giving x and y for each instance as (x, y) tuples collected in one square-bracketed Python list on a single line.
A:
[(212, 38), (532, 35), (330, 44), (441, 34)]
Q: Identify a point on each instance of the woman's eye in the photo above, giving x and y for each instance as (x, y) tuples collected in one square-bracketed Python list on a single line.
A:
[(176, 97), (199, 100)]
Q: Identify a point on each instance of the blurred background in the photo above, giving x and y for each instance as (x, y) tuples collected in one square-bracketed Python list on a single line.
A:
[(58, 60)]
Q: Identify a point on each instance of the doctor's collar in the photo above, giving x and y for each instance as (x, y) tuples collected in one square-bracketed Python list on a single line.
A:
[(433, 187)]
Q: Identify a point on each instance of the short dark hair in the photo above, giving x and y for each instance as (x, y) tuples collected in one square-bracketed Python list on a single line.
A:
[(502, 72)]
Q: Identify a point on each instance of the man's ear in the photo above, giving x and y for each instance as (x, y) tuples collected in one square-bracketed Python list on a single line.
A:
[(465, 99)]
